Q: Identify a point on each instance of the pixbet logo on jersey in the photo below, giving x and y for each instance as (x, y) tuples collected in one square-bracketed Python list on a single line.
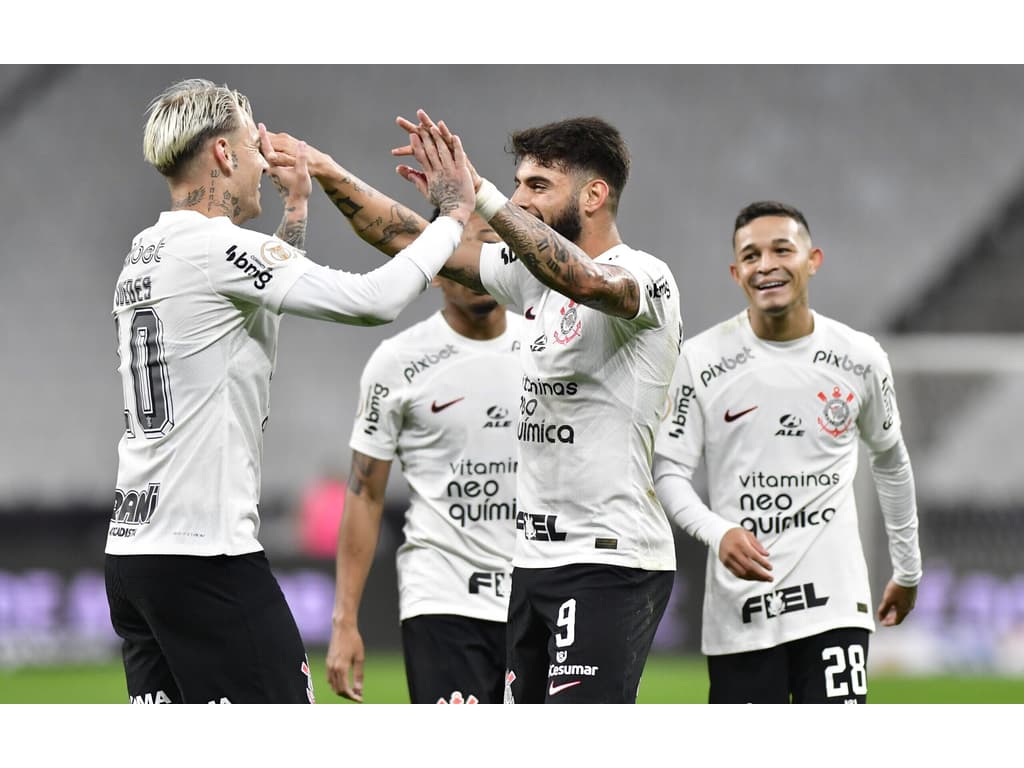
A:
[(725, 365), (844, 363), (785, 600), (431, 358)]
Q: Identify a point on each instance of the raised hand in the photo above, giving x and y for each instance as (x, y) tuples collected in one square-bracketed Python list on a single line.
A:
[(289, 170), (427, 123), (445, 178)]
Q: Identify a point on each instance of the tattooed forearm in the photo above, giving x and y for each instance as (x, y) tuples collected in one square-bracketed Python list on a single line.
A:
[(293, 231), (348, 207), (565, 267), (403, 222), (193, 198), (444, 193), (360, 475), (466, 276)]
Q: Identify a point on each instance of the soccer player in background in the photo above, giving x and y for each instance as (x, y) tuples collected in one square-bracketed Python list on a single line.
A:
[(197, 308), (775, 399), (442, 398), (594, 564)]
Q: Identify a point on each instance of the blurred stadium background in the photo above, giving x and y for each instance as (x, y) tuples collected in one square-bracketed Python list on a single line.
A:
[(912, 178)]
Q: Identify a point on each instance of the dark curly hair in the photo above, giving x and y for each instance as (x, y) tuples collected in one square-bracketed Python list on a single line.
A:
[(577, 144)]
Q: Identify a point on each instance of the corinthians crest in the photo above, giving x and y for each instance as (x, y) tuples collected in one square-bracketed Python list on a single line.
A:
[(570, 324), (835, 418)]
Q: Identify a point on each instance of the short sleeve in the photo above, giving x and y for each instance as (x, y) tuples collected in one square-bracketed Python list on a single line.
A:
[(681, 434), (378, 421), (659, 297), (506, 279)]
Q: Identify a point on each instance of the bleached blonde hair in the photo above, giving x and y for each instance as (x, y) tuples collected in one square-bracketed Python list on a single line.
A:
[(184, 116)]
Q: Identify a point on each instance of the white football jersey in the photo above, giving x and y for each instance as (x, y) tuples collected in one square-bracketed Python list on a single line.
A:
[(594, 390), (196, 311), (778, 425), (445, 406)]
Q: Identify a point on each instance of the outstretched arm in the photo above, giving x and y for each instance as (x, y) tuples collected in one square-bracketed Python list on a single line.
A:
[(357, 541), (554, 260)]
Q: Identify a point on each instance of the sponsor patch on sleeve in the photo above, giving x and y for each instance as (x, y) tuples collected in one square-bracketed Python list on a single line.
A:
[(275, 252)]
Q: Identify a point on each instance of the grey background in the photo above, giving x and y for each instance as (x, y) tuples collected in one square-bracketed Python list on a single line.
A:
[(896, 167)]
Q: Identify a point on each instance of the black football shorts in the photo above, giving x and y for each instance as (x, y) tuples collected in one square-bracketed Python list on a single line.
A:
[(581, 633), (454, 659), (827, 668), (205, 630)]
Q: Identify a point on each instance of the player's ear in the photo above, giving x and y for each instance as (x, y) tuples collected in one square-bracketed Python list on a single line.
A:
[(222, 155), (815, 257), (593, 195)]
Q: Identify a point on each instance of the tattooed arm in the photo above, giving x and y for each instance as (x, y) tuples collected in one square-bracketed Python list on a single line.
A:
[(291, 178), (564, 267), (382, 222)]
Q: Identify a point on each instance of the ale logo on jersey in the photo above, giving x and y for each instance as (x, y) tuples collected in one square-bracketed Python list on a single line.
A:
[(497, 417), (275, 252), (570, 325), (836, 416), (790, 426)]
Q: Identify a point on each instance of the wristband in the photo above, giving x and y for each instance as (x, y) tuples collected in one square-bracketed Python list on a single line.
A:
[(489, 200)]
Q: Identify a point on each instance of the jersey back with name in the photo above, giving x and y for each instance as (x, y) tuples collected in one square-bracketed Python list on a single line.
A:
[(196, 314), (778, 425), (445, 407), (593, 392)]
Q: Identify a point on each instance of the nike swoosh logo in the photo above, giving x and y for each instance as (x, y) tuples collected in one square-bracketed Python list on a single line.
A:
[(528, 314), (435, 408), (734, 416), (556, 689)]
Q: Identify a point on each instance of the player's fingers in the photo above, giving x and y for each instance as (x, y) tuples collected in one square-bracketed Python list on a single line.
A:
[(430, 150), (403, 151), (446, 134), (357, 680), (265, 145), (406, 125), (417, 178), (444, 153), (302, 158), (425, 121)]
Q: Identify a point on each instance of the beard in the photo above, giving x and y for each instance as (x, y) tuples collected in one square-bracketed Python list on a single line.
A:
[(566, 222)]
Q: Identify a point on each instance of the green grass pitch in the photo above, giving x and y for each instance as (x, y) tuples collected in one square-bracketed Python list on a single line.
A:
[(666, 680)]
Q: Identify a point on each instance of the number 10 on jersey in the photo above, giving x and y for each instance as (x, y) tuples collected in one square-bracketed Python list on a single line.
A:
[(153, 410)]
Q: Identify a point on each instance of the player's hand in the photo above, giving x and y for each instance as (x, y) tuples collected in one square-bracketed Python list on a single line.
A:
[(426, 123), (345, 657), (289, 170), (283, 148), (896, 603), (445, 177), (744, 556)]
